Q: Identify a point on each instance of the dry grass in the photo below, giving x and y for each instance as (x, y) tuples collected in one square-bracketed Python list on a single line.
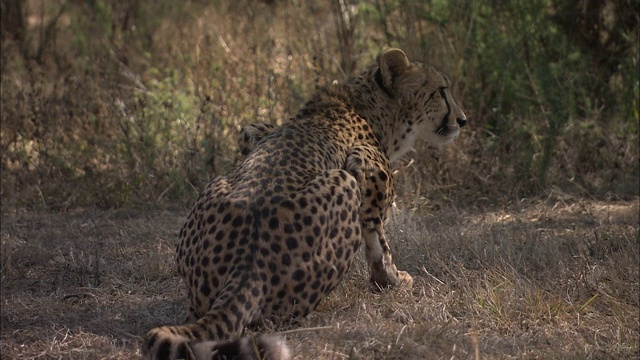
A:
[(538, 279), (140, 102)]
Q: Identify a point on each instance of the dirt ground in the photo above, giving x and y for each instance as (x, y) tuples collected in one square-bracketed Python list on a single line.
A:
[(537, 279)]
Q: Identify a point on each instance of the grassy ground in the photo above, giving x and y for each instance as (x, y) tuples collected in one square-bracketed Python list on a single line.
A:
[(537, 279), (113, 104)]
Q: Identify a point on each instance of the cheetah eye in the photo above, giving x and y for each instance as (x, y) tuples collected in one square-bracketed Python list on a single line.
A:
[(438, 93)]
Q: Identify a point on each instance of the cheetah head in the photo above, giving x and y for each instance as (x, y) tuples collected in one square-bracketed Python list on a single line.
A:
[(421, 97)]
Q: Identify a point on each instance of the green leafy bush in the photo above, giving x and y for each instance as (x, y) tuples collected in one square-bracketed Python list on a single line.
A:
[(114, 103)]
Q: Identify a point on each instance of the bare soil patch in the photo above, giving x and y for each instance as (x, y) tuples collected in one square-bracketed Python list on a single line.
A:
[(538, 280)]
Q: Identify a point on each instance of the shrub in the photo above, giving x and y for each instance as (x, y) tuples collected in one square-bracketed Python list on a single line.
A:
[(113, 103)]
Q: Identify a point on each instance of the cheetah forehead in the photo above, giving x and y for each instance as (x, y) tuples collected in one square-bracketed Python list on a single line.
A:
[(424, 75)]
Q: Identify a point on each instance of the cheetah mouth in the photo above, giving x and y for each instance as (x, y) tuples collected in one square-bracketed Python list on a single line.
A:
[(446, 133), (443, 130)]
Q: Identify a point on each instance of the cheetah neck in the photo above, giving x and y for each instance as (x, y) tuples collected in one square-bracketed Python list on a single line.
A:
[(395, 132)]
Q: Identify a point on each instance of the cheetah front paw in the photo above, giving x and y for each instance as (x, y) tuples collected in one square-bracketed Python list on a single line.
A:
[(405, 280), (392, 278)]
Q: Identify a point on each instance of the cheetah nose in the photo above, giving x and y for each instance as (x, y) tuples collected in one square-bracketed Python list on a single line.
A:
[(461, 121)]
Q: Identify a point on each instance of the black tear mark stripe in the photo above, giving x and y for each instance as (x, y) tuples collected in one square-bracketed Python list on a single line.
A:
[(446, 116)]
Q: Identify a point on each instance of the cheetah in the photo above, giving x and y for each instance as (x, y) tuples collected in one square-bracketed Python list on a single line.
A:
[(276, 235)]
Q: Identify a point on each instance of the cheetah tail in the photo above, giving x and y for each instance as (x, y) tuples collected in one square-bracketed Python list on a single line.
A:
[(260, 347)]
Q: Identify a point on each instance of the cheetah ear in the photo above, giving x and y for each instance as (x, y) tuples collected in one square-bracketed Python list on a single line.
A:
[(392, 62)]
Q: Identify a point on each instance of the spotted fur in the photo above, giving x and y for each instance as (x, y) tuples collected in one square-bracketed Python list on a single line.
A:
[(277, 234)]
